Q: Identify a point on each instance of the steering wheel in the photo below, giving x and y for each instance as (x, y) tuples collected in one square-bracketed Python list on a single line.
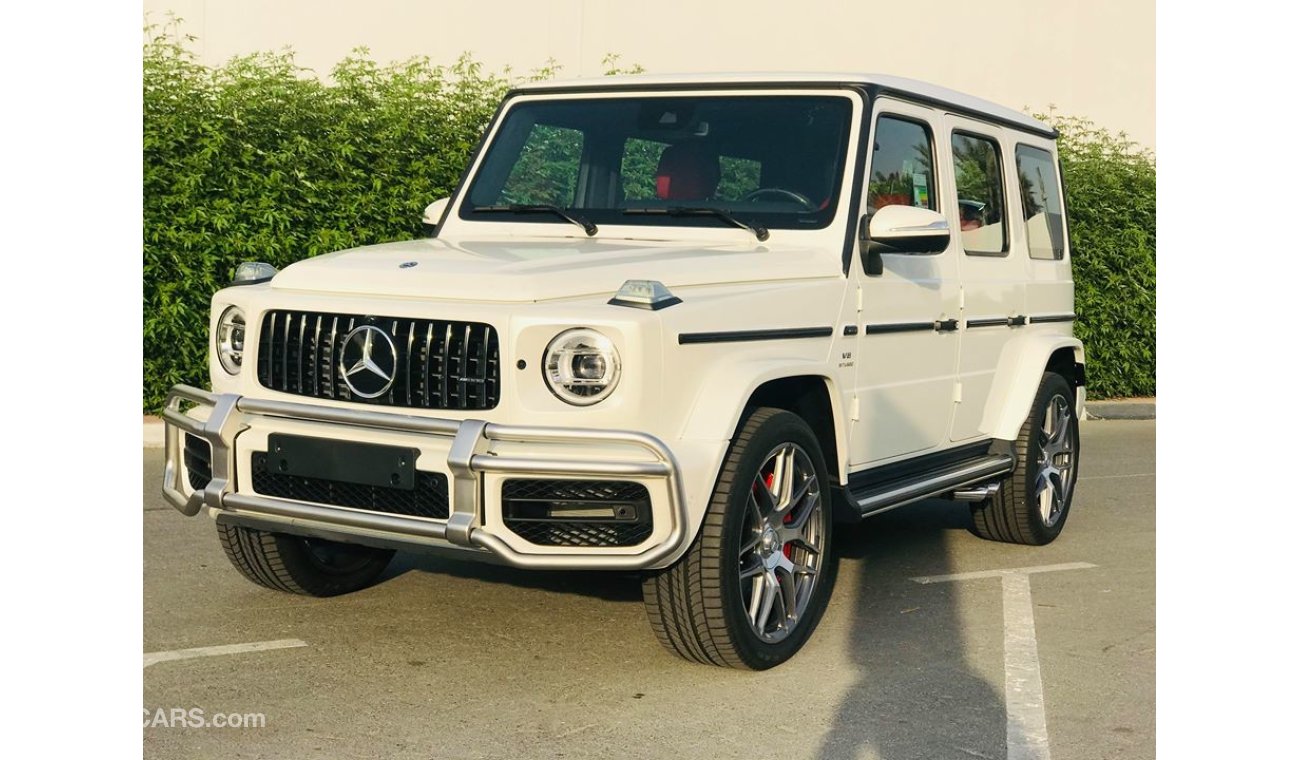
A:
[(782, 193)]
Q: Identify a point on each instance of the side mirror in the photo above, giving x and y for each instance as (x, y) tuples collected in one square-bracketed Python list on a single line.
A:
[(901, 229), (433, 215)]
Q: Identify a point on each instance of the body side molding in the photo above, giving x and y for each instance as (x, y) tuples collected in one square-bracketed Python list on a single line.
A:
[(739, 336), (897, 327)]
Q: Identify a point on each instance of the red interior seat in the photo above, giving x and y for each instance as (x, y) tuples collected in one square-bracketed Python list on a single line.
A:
[(687, 171)]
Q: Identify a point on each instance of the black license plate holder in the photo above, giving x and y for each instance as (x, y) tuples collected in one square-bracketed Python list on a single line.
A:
[(368, 464)]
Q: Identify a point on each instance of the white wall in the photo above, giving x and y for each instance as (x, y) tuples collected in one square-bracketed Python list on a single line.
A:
[(1093, 58)]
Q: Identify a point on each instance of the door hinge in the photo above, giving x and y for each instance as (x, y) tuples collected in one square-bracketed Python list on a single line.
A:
[(956, 393), (859, 298), (853, 409), (961, 298)]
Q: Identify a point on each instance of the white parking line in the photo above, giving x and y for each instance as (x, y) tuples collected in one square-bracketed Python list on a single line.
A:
[(999, 573), (1026, 716), (153, 658)]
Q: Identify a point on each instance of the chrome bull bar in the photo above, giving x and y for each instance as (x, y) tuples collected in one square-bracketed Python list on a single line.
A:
[(467, 460)]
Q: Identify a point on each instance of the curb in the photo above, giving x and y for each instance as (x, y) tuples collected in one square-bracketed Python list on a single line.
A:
[(153, 432), (1121, 409)]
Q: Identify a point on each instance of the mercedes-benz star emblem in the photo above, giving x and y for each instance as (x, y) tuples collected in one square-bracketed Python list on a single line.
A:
[(368, 363)]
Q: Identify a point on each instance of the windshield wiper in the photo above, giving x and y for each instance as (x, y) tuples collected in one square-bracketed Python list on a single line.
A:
[(540, 208), (759, 230)]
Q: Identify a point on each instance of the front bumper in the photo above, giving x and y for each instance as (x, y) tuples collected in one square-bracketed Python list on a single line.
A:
[(475, 455)]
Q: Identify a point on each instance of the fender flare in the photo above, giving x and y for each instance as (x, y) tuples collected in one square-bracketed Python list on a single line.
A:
[(1015, 382), (721, 400)]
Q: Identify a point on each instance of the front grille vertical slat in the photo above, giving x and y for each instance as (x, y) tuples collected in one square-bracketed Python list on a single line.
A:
[(269, 340), (302, 353), (406, 361), (395, 387), (445, 370), (315, 357), (492, 388), (481, 379), (464, 369), (344, 392), (331, 375), (410, 361), (427, 379), (284, 357), (302, 341)]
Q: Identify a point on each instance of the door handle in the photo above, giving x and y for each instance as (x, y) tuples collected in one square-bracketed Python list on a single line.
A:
[(945, 325)]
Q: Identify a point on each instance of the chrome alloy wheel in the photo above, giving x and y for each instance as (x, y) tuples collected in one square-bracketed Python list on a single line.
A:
[(1056, 463), (781, 543)]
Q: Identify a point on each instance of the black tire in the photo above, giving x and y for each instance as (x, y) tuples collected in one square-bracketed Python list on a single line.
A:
[(1013, 514), (309, 566), (697, 606)]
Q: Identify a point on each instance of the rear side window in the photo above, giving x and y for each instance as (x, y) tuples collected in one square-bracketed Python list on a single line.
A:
[(1041, 196), (978, 166), (902, 165)]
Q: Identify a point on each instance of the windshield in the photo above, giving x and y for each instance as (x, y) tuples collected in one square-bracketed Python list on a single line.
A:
[(767, 161)]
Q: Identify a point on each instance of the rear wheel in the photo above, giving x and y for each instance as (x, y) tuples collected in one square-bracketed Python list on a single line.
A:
[(298, 565), (1033, 503), (755, 583)]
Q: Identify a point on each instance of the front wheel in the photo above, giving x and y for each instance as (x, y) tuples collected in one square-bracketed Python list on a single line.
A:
[(756, 581), (298, 565)]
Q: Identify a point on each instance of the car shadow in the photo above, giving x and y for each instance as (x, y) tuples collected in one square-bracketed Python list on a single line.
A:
[(605, 585), (915, 694)]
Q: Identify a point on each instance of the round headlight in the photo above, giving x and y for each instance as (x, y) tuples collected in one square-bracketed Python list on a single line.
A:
[(230, 339), (581, 366)]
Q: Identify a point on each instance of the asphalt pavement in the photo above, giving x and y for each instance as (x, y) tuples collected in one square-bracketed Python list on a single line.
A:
[(449, 659)]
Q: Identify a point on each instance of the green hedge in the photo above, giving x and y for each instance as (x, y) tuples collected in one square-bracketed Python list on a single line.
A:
[(260, 159), (1111, 202)]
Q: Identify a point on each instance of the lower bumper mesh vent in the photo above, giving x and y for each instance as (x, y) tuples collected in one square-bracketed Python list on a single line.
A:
[(427, 499), (577, 512), (198, 461)]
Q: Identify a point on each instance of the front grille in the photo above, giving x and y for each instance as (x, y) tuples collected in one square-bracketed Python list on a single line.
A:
[(198, 461), (427, 499), (439, 364), (577, 512)]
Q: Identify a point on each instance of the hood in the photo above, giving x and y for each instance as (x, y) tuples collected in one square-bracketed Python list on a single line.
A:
[(541, 269)]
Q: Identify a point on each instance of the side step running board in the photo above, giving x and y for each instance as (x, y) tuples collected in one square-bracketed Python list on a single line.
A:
[(954, 477)]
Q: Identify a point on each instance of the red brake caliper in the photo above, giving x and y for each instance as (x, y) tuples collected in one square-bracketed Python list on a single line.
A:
[(789, 516)]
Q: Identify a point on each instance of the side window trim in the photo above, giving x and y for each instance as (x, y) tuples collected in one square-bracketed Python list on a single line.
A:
[(1002, 175)]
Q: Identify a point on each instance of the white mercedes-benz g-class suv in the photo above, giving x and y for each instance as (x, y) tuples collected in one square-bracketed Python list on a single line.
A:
[(675, 325)]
